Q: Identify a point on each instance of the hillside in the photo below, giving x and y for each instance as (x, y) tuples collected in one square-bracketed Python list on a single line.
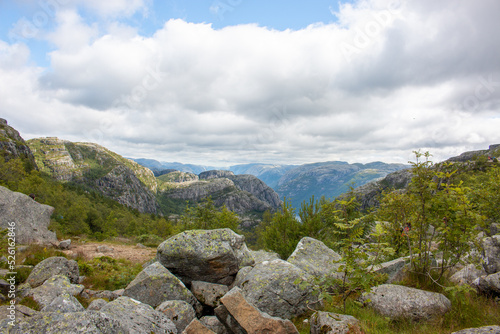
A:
[(96, 168)]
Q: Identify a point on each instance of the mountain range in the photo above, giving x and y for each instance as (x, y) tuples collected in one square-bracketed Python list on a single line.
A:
[(297, 183)]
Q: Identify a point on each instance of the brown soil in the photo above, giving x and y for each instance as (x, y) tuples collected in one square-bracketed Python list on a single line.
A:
[(132, 253)]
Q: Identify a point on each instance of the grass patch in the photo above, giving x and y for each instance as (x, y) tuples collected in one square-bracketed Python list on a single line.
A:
[(106, 273)]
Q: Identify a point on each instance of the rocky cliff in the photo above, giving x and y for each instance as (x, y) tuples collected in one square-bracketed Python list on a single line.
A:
[(12, 145), (97, 168), (239, 193)]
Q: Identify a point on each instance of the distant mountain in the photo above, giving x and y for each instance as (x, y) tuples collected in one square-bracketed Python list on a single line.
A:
[(159, 166), (329, 179), (270, 174)]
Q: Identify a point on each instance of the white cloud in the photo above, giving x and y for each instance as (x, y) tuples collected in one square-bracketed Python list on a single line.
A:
[(386, 80)]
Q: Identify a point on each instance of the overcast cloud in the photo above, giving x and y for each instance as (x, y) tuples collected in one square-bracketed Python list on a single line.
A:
[(386, 79)]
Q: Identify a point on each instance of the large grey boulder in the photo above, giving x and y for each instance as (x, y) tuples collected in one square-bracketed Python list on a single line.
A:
[(316, 259), (65, 303), (180, 312), (30, 217), (489, 285), (397, 302), (213, 256), (280, 289), (239, 316), (155, 284), (491, 254), (467, 275), (96, 304), (332, 323), (21, 312), (262, 255), (74, 323), (393, 269), (138, 317), (480, 330), (53, 266), (54, 287)]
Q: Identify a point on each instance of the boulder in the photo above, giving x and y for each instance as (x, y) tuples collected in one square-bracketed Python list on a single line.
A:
[(467, 275), (21, 312), (105, 249), (208, 294), (332, 323), (65, 303), (393, 269), (489, 285), (30, 217), (239, 316), (180, 312), (96, 304), (65, 244), (54, 287), (480, 330), (491, 254), (138, 317), (212, 323), (397, 302), (75, 323), (280, 289), (155, 284), (213, 256), (316, 259), (262, 255), (53, 266), (106, 294), (196, 327)]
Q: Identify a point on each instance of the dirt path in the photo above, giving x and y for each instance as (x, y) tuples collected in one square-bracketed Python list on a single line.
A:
[(132, 253)]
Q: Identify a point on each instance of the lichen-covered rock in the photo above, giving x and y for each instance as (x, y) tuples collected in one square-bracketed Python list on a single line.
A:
[(393, 269), (316, 259), (53, 266), (397, 302), (54, 287), (180, 312), (21, 312), (65, 244), (480, 330), (491, 254), (96, 304), (30, 217), (332, 323), (64, 303), (280, 289), (208, 294), (138, 317), (467, 275), (155, 284), (74, 323), (489, 285), (213, 256), (237, 313), (262, 255), (240, 276)]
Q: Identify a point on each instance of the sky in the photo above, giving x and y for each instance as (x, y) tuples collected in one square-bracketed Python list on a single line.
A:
[(224, 82)]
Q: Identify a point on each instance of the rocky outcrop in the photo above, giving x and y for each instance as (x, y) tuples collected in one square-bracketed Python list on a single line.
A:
[(53, 266), (53, 288), (215, 174), (316, 259), (31, 219), (213, 256), (239, 316), (96, 168), (155, 285), (13, 146), (280, 289), (400, 302), (257, 188), (332, 323)]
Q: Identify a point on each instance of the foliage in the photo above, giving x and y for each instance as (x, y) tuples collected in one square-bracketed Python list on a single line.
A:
[(106, 273), (283, 231), (207, 217), (149, 240)]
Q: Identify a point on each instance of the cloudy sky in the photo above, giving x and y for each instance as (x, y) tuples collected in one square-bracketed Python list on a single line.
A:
[(222, 82)]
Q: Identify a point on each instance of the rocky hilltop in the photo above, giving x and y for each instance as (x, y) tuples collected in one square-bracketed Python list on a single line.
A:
[(12, 145), (239, 193), (96, 168)]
